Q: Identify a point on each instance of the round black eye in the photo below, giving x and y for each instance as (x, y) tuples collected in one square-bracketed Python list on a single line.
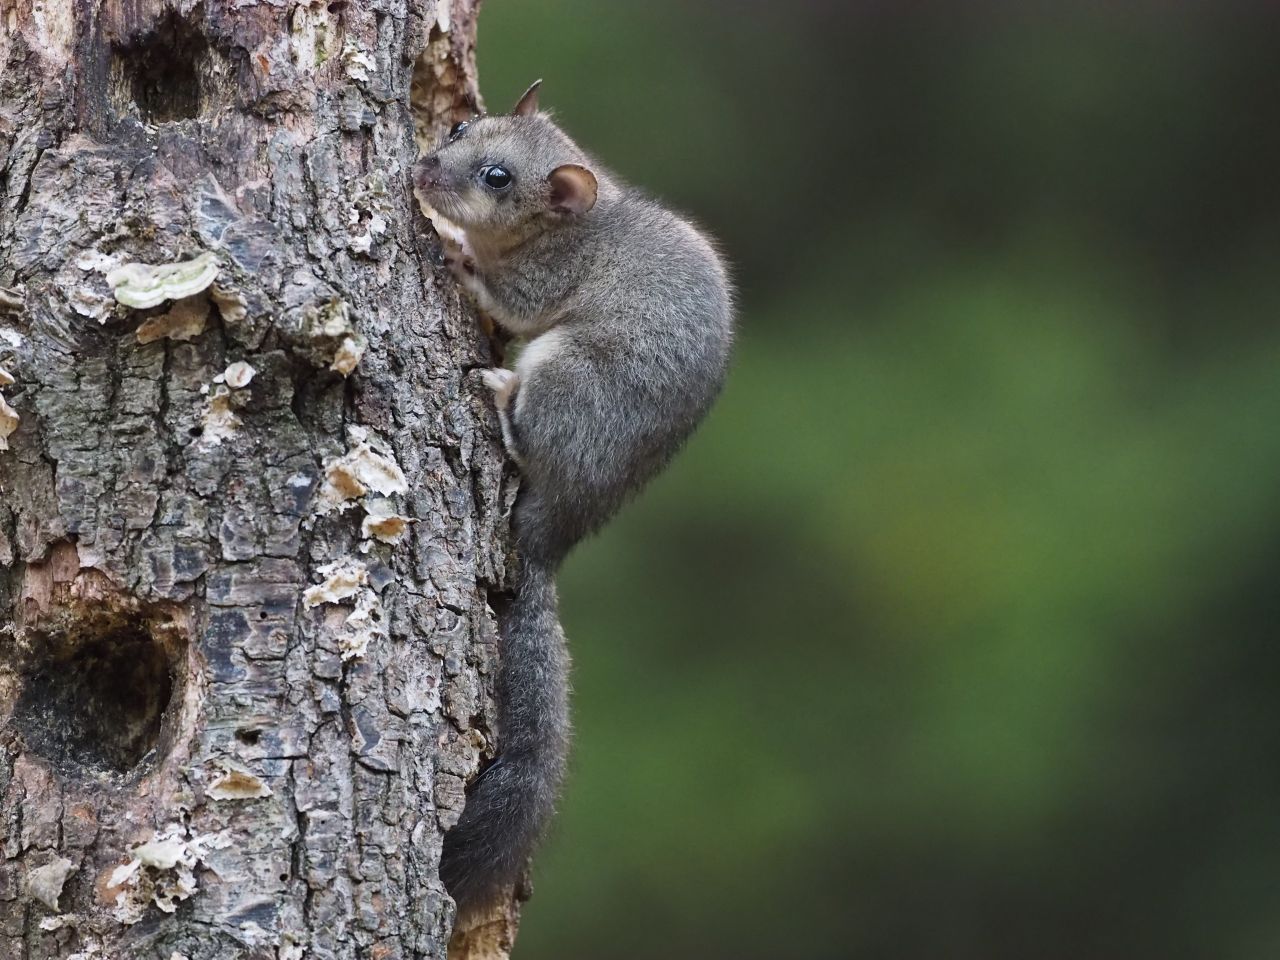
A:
[(456, 130), (496, 177)]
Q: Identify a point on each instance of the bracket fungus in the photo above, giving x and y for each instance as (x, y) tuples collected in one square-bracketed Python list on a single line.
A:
[(139, 285)]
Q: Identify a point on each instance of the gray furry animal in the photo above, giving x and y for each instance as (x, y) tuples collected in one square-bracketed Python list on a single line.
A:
[(627, 313)]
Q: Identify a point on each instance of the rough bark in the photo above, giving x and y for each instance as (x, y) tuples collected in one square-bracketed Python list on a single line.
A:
[(254, 502)]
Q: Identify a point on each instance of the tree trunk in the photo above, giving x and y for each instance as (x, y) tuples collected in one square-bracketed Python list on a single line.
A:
[(251, 498)]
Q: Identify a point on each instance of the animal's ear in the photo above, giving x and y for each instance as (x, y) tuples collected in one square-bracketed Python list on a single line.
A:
[(527, 105), (573, 189)]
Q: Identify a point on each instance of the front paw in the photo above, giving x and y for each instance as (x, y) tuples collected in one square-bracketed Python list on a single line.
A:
[(459, 263), (503, 383)]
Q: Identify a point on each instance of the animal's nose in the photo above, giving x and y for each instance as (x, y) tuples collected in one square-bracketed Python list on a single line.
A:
[(426, 172)]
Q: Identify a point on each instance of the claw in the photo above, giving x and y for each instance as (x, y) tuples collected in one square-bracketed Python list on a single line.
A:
[(502, 382)]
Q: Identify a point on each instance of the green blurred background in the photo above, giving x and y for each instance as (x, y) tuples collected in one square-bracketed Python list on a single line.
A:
[(953, 633)]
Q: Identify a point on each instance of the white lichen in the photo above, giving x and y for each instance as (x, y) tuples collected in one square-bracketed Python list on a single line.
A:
[(45, 883), (331, 319), (140, 285), (332, 334), (253, 935), (343, 579), (92, 950), (358, 63), (238, 375), (161, 871), (362, 242), (312, 39), (364, 624), (95, 261), (88, 299), (90, 303), (371, 212)]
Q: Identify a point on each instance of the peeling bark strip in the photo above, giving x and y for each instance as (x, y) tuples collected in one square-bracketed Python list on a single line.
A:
[(251, 502)]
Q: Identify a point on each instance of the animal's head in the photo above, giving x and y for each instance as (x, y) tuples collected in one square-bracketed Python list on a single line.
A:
[(501, 173)]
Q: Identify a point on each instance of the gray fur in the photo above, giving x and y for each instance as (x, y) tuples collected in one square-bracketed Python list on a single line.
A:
[(628, 314)]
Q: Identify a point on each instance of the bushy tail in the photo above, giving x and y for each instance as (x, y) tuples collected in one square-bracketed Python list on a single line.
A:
[(510, 804)]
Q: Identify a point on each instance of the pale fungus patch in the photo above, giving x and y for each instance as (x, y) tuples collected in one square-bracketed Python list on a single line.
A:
[(330, 319), (161, 871), (184, 321), (89, 303), (230, 302), (349, 479), (382, 522), (45, 883), (140, 285), (92, 950), (9, 418), (8, 422), (355, 473), (238, 375), (332, 335), (348, 355), (236, 783), (95, 261), (358, 63), (343, 579), (313, 39), (219, 421), (365, 623), (370, 214)]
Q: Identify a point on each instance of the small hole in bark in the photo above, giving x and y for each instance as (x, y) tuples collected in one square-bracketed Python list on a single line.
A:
[(161, 72), (94, 695), (196, 431), (337, 6), (250, 737)]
